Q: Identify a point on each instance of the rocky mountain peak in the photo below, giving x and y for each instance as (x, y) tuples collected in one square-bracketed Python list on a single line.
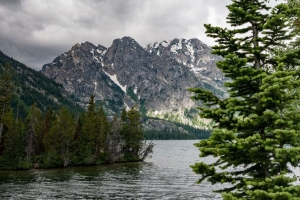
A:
[(156, 77), (178, 47), (125, 43), (121, 52)]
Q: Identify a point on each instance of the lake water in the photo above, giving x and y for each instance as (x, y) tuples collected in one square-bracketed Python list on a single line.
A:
[(166, 175)]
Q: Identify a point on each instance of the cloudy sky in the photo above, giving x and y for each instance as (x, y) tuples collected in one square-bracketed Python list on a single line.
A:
[(36, 31)]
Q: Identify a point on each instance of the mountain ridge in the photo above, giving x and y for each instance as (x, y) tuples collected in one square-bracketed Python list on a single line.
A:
[(155, 77)]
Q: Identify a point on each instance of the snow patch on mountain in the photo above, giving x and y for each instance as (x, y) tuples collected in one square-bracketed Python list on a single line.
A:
[(115, 80), (127, 107), (165, 43), (176, 47), (97, 59), (191, 51), (101, 52), (135, 90)]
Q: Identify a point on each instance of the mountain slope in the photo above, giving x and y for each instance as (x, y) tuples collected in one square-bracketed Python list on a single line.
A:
[(155, 77), (33, 87)]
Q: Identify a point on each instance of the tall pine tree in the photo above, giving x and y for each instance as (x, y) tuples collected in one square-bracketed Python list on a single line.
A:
[(115, 140), (256, 136), (102, 129), (60, 140), (88, 138), (13, 156), (33, 133), (132, 133)]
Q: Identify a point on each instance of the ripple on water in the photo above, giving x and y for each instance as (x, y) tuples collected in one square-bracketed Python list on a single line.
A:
[(166, 175)]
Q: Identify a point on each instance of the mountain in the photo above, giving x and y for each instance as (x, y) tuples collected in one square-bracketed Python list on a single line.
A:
[(155, 77), (33, 87)]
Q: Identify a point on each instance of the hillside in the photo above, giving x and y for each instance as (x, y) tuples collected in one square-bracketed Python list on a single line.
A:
[(33, 87)]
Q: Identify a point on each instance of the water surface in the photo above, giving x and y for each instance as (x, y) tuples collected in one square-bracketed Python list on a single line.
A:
[(166, 175)]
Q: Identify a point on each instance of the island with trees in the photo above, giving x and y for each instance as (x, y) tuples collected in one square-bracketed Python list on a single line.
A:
[(60, 139)]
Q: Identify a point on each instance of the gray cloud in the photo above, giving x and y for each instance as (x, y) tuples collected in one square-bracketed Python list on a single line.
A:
[(10, 2), (35, 32)]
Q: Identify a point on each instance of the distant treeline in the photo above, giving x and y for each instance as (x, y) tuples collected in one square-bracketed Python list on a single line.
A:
[(168, 134), (50, 139), (187, 132)]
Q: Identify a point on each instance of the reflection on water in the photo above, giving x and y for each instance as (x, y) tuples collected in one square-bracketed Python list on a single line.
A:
[(166, 175)]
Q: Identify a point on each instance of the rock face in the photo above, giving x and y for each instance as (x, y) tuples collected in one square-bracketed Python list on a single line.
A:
[(155, 77)]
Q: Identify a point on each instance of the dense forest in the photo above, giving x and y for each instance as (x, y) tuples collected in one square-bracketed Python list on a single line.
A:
[(60, 139)]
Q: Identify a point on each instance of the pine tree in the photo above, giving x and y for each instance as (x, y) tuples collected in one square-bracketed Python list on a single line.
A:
[(133, 134), (14, 143), (88, 138), (102, 129), (115, 141), (33, 133), (60, 140), (255, 124), (49, 118), (78, 130), (295, 20)]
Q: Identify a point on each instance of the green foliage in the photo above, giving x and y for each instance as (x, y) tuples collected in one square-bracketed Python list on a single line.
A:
[(133, 134), (168, 134), (143, 108), (181, 132), (47, 139), (6, 86), (213, 89), (32, 87), (255, 123), (133, 96), (87, 140), (295, 20), (33, 133), (6, 92), (14, 144), (59, 143), (58, 140)]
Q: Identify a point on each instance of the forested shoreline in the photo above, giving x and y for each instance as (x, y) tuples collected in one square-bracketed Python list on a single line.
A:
[(173, 135), (50, 139)]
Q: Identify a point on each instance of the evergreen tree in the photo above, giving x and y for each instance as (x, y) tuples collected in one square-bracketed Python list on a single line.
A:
[(88, 138), (14, 144), (255, 124), (60, 140), (102, 129), (78, 130), (33, 133), (49, 118), (133, 134), (295, 21), (115, 141)]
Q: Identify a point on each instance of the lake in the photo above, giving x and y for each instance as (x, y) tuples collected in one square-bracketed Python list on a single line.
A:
[(165, 175)]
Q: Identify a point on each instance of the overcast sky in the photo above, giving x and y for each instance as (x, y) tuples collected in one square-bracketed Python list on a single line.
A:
[(36, 31)]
